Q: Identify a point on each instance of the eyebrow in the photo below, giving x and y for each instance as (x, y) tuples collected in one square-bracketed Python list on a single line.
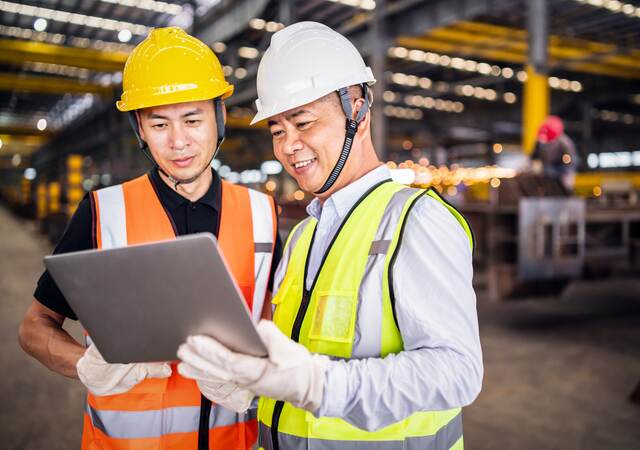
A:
[(289, 117), (193, 112)]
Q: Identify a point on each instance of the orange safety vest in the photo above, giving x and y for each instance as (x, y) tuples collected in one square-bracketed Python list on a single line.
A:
[(165, 413)]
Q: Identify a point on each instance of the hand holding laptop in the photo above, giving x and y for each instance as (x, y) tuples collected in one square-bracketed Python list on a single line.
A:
[(103, 378)]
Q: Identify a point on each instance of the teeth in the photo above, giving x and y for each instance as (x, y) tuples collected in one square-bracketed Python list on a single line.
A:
[(300, 164)]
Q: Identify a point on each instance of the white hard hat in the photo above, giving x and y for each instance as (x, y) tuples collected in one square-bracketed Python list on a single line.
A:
[(306, 61)]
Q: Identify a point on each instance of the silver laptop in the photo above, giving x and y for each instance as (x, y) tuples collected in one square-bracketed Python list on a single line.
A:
[(139, 303)]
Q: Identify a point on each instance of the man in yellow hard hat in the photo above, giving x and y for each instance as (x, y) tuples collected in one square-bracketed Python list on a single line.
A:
[(374, 342), (173, 91)]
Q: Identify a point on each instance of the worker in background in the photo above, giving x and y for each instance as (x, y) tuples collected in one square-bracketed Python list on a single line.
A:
[(374, 341), (173, 92), (555, 154)]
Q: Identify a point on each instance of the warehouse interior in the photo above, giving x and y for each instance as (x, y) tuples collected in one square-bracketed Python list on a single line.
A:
[(462, 88)]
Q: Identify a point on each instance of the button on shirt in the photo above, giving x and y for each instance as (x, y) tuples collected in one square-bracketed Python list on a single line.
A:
[(441, 365)]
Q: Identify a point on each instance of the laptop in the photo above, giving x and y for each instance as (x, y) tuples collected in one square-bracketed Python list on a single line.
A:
[(139, 303)]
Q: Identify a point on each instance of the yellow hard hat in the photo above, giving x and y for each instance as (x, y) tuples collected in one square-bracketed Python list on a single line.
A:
[(169, 67)]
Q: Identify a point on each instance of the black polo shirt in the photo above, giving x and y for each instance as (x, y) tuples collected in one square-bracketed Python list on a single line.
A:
[(188, 217)]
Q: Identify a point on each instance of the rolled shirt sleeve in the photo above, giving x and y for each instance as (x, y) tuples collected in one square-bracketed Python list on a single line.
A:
[(441, 365)]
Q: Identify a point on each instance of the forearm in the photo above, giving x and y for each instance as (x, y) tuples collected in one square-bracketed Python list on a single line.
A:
[(375, 392), (43, 338)]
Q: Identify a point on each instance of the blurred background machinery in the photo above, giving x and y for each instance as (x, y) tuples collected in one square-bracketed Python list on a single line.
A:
[(463, 88)]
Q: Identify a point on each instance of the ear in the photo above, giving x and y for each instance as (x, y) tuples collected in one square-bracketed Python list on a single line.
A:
[(365, 123), (139, 122), (224, 113)]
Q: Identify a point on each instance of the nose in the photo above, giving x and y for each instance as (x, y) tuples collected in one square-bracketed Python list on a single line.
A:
[(179, 138), (292, 142)]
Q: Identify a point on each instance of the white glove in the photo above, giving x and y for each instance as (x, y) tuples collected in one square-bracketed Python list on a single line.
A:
[(222, 392), (290, 372), (103, 378)]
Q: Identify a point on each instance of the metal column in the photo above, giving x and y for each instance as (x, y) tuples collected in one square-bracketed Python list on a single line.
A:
[(535, 106), (380, 44)]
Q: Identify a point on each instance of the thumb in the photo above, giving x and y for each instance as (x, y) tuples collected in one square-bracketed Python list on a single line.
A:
[(282, 350), (157, 370)]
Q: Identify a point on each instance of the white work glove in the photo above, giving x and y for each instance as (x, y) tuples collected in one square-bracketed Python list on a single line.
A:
[(290, 372), (102, 378), (219, 391)]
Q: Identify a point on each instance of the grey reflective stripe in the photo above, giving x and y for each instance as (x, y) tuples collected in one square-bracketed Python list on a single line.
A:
[(444, 439), (262, 247), (367, 339), (286, 254), (158, 422), (379, 247), (263, 238), (112, 216)]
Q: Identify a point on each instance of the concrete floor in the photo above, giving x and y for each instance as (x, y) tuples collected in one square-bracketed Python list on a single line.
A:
[(558, 373)]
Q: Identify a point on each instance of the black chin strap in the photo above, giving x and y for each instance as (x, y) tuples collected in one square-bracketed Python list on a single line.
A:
[(217, 103), (351, 130)]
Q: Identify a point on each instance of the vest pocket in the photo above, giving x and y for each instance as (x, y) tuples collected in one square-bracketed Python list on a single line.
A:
[(334, 317)]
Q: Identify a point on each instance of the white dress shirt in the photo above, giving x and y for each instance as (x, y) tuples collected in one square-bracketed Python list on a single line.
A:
[(441, 364)]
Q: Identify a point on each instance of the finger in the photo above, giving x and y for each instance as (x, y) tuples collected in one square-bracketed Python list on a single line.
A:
[(210, 349), (187, 354), (155, 370)]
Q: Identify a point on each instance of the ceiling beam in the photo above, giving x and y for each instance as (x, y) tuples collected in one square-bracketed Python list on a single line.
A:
[(50, 85), (17, 52)]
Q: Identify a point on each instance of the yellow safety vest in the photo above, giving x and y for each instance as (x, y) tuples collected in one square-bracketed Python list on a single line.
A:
[(325, 319)]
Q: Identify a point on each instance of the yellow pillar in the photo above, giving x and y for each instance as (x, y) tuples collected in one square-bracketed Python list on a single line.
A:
[(54, 197), (74, 182), (535, 107), (41, 201), (26, 191)]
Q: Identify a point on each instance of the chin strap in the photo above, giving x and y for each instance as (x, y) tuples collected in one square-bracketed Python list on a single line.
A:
[(217, 103), (351, 130)]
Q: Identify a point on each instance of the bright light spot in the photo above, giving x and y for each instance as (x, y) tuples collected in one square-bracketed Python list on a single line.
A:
[(270, 186), (495, 182), (248, 52), (124, 35), (592, 160), (497, 148), (224, 171), (215, 164), (510, 97), (240, 73), (271, 167), (597, 191), (566, 158), (16, 160), (42, 124), (298, 195), (40, 24), (30, 173), (452, 191), (87, 184), (0, 143), (403, 176), (219, 47)]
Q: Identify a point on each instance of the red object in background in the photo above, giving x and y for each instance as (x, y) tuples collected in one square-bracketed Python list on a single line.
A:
[(551, 128)]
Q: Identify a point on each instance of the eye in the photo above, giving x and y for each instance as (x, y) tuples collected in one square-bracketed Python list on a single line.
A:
[(159, 126), (302, 125), (277, 133), (193, 122)]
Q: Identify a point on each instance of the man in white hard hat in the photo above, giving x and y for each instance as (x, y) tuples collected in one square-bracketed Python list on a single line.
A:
[(374, 340)]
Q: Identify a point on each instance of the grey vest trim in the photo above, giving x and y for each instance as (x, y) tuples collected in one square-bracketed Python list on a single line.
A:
[(368, 339), (156, 423), (379, 247), (444, 439), (262, 247)]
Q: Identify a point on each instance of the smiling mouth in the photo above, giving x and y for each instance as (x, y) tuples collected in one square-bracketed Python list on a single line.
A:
[(301, 164)]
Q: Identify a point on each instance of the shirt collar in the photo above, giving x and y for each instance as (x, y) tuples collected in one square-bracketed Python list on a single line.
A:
[(172, 200), (344, 199)]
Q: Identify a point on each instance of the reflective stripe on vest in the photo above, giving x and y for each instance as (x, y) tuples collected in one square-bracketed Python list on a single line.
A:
[(165, 413), (449, 437), (155, 423), (350, 315)]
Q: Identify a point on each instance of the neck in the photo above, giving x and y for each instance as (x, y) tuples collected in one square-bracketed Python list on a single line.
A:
[(192, 191), (353, 171)]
